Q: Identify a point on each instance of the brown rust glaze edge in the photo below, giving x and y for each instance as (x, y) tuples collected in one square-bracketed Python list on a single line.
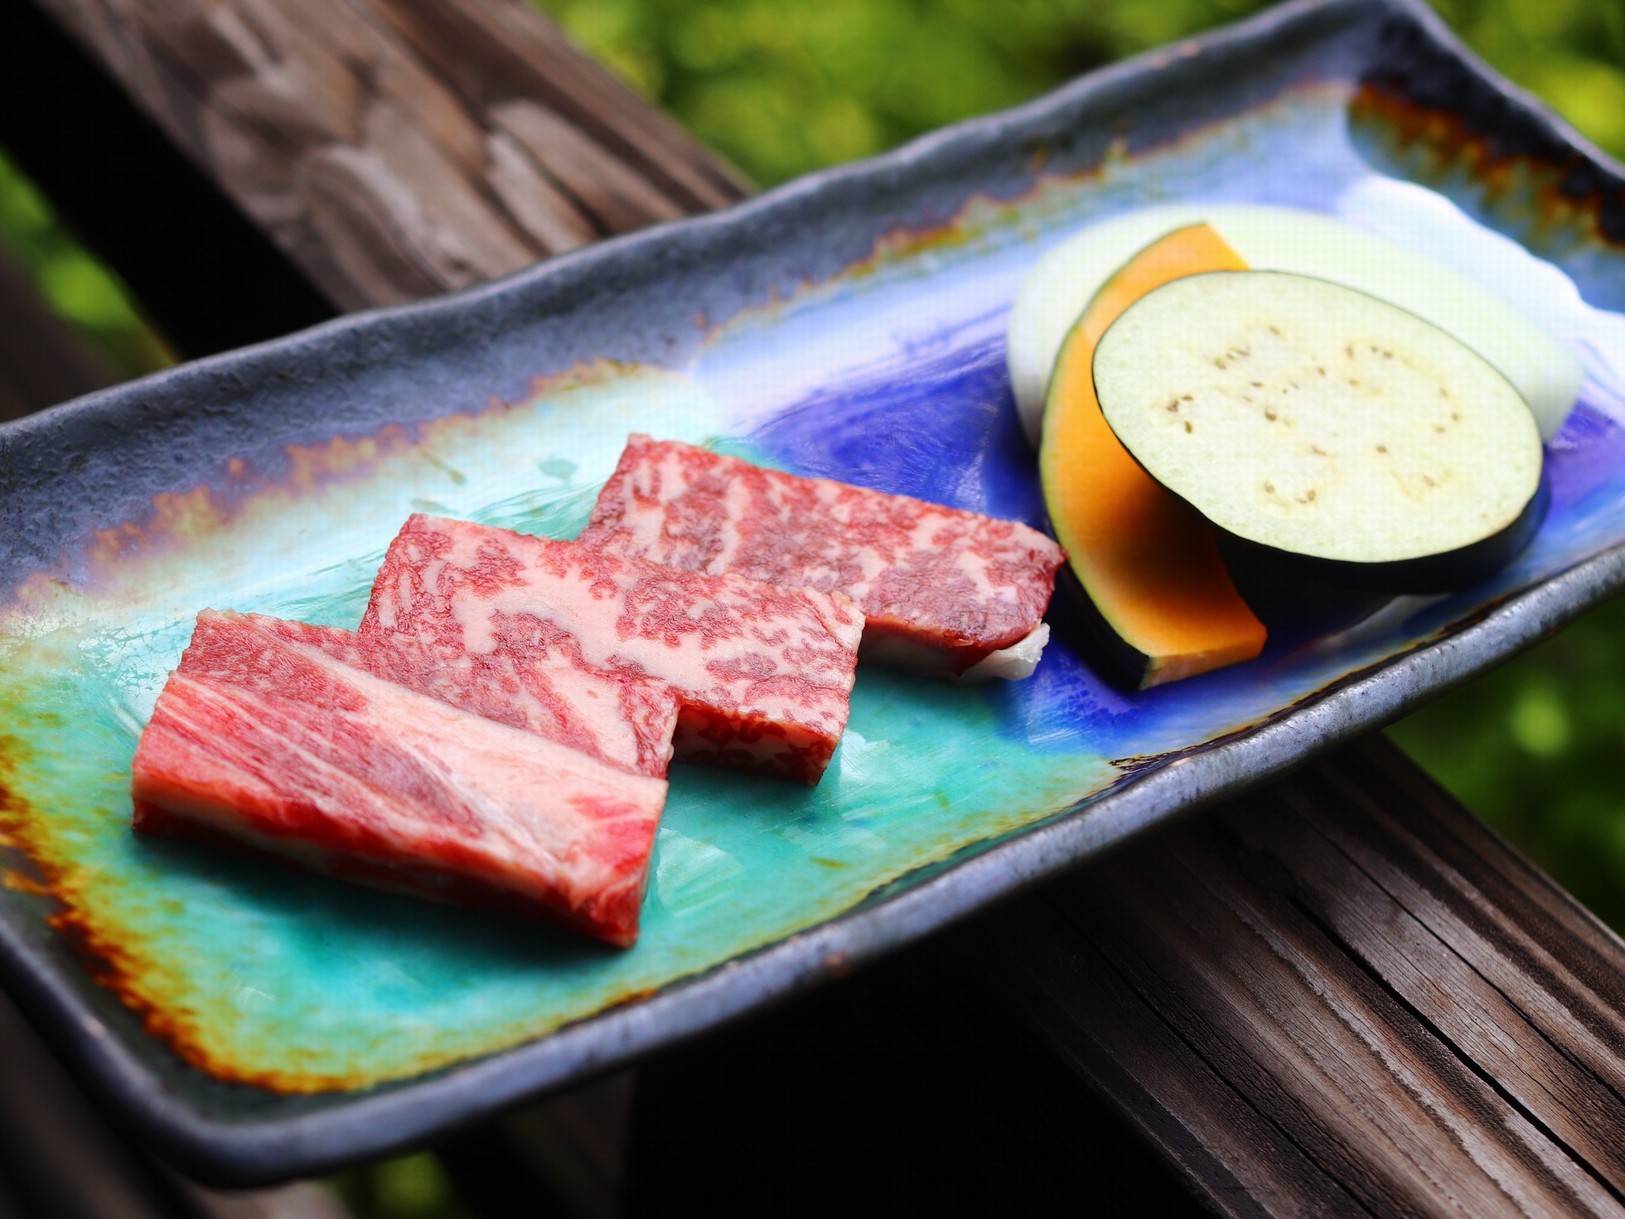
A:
[(171, 520)]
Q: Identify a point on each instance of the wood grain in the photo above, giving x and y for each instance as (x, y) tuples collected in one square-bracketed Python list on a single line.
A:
[(1342, 994), (396, 149), (902, 1091), (197, 267)]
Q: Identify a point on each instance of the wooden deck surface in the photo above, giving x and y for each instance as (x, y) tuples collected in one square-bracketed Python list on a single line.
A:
[(1340, 994)]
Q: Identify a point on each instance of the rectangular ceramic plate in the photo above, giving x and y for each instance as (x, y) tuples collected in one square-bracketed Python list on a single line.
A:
[(254, 1022)]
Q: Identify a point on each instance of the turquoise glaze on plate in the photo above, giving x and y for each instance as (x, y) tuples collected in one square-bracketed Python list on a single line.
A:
[(252, 1018), (259, 974)]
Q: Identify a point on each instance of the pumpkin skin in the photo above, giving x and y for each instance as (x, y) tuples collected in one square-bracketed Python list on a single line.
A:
[(1145, 582)]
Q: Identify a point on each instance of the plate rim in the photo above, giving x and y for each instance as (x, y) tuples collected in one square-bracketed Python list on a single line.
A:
[(367, 1123)]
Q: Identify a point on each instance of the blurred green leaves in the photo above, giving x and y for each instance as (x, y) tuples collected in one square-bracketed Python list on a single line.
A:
[(1570, 53), (414, 1186), (74, 283), (785, 86)]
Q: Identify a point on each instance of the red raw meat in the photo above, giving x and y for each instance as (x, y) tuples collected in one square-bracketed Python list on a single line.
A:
[(763, 675), (266, 739), (941, 589), (615, 717)]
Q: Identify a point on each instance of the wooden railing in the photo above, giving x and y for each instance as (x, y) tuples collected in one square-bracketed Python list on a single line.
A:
[(1339, 994)]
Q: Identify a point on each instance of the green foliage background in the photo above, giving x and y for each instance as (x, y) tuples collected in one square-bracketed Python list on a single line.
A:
[(784, 86)]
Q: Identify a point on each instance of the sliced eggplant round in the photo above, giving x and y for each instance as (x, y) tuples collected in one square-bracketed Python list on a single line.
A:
[(1320, 423), (1305, 243)]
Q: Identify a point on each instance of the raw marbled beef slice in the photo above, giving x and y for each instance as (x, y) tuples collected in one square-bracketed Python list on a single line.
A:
[(615, 717), (942, 589), (277, 745), (763, 675)]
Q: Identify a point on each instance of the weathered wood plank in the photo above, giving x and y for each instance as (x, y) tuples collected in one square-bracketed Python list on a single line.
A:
[(1343, 983), (1529, 988), (400, 148), (1094, 1019), (199, 268), (901, 1091)]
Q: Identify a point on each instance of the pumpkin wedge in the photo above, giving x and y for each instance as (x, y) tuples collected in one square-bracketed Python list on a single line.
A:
[(1157, 598)]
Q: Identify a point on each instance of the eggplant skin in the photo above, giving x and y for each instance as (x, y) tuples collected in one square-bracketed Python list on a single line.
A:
[(1422, 575), (1077, 621)]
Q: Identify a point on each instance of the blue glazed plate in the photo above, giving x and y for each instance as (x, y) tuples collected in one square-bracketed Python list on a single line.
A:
[(255, 1023)]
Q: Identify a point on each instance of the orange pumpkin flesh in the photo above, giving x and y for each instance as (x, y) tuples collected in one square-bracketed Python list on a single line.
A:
[(1146, 560)]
